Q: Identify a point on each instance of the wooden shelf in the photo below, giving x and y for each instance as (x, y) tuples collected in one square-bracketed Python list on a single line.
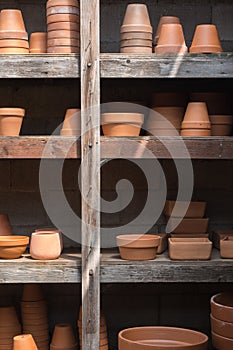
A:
[(167, 66), (67, 269)]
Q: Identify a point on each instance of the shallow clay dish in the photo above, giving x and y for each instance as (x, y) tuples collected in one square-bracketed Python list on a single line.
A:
[(190, 248), (195, 209), (218, 235), (221, 343), (225, 329), (157, 338), (12, 247), (138, 247), (190, 225), (222, 306)]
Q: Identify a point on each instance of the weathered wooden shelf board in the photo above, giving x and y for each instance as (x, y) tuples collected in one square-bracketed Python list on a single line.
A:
[(167, 66), (39, 66)]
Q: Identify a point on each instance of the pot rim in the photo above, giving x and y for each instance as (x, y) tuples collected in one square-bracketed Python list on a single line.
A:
[(13, 241), (218, 304), (12, 111)]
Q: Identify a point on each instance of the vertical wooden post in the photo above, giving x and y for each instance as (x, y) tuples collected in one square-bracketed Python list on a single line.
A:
[(90, 100)]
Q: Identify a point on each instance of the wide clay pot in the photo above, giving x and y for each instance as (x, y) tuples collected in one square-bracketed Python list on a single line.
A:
[(206, 40), (196, 116), (63, 49), (168, 99), (38, 42), (190, 248), (165, 20), (11, 121), (221, 125), (32, 292), (63, 336), (5, 226), (222, 306), (68, 17), (156, 338), (51, 230), (195, 209), (165, 118), (171, 39), (12, 247), (136, 49), (45, 246), (65, 34), (136, 19), (51, 3), (225, 329), (221, 343), (121, 124), (138, 247), (11, 20), (24, 342), (70, 26), (72, 122)]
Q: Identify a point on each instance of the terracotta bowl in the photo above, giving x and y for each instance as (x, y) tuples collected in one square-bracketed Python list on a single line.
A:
[(222, 306), (195, 209), (38, 42), (221, 125), (225, 329), (138, 247), (12, 247), (171, 40), (121, 124), (5, 226), (45, 246), (156, 338), (165, 20), (221, 343), (23, 342), (190, 248), (11, 121), (51, 230), (206, 39)]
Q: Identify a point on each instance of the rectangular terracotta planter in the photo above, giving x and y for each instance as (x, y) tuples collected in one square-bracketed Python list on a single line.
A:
[(190, 248), (218, 235), (226, 247), (190, 225), (195, 209), (163, 242)]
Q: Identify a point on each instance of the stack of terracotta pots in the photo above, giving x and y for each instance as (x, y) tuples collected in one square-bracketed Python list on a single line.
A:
[(24, 342), (72, 123), (63, 26), (136, 30), (9, 327), (38, 42), (196, 120), (46, 244), (34, 315), (222, 321), (11, 120), (206, 40), (13, 35), (164, 20), (63, 338), (5, 226), (103, 331)]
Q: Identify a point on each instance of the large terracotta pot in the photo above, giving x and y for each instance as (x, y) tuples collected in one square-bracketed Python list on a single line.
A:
[(206, 39), (12, 20), (5, 226), (196, 116), (45, 246), (12, 247), (11, 121), (63, 337), (136, 19), (121, 124), (24, 342), (171, 39), (38, 42), (221, 125), (165, 20)]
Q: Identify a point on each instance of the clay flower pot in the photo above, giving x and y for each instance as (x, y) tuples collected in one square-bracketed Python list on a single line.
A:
[(138, 247), (12, 247), (32, 292), (225, 329), (190, 248), (136, 19), (222, 306), (72, 123), (11, 20), (11, 121), (5, 226), (63, 337), (51, 230), (121, 124), (221, 125), (38, 42), (196, 116), (195, 209), (206, 39), (171, 39), (165, 20), (45, 246), (221, 343), (24, 342)]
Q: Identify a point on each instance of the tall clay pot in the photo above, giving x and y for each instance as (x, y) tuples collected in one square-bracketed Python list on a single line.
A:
[(5, 226), (171, 39), (206, 39), (38, 42), (11, 121)]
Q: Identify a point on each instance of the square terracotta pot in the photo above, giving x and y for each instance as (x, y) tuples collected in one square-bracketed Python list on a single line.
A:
[(190, 248)]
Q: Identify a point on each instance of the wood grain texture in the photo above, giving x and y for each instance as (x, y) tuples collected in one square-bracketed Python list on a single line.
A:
[(90, 100), (167, 66)]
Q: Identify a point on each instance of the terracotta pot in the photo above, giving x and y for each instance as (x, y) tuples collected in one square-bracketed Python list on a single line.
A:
[(55, 10), (171, 39), (63, 42), (195, 209), (136, 49), (62, 18), (138, 247), (10, 121), (63, 336), (24, 342), (45, 246), (168, 99), (218, 235), (14, 43), (121, 124), (221, 343), (13, 35), (165, 20), (195, 132), (190, 248), (225, 329), (226, 248), (136, 19), (217, 102), (196, 116), (51, 3), (38, 42), (12, 247), (165, 118), (51, 230), (32, 292), (63, 49), (65, 34), (163, 242), (190, 225), (222, 306), (13, 50), (5, 226), (11, 20), (206, 39), (8, 317), (70, 26), (136, 42), (136, 35), (155, 338), (72, 123), (221, 125)]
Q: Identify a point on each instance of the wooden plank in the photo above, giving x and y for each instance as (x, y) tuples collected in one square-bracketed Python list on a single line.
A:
[(90, 167), (167, 66), (39, 66)]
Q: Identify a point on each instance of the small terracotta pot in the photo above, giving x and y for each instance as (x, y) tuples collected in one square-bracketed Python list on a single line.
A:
[(5, 226), (63, 49), (136, 15), (222, 306), (195, 132), (62, 18), (121, 124), (14, 43), (11, 20), (221, 343), (195, 209), (63, 34), (226, 249), (196, 116), (63, 336), (206, 39), (171, 39), (190, 248), (10, 121), (38, 42), (8, 317), (32, 292), (225, 329), (73, 26), (138, 247), (12, 247), (188, 225), (165, 20), (13, 50), (13, 35), (136, 35), (51, 3), (168, 99), (136, 49), (45, 246), (24, 342), (136, 42), (221, 125)]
